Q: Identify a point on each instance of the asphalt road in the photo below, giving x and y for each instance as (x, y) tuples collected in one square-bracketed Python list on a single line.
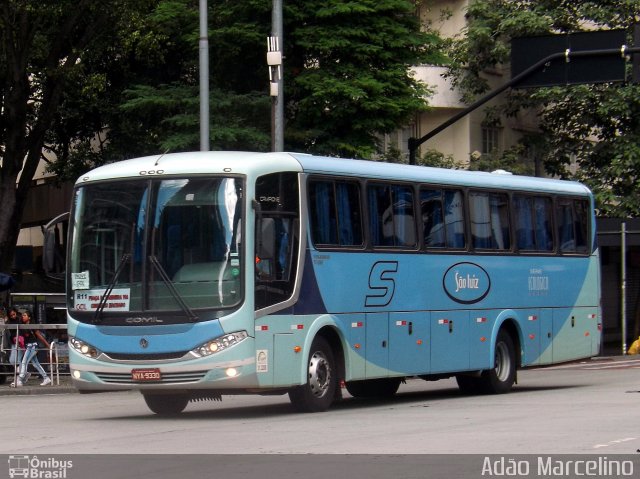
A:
[(586, 408)]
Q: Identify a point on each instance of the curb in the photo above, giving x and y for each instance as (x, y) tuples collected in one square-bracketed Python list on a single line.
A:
[(65, 387)]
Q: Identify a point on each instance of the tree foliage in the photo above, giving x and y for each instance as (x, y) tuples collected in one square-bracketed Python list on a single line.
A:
[(595, 127), (43, 47), (348, 71)]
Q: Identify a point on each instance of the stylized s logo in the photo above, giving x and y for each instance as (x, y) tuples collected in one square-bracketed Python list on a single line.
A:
[(382, 284)]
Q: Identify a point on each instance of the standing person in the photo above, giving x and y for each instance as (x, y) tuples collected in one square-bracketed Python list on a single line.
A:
[(32, 339), (17, 340)]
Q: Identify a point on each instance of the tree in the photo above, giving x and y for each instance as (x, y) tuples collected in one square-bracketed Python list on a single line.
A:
[(43, 43), (348, 72), (147, 99), (595, 126), (347, 78)]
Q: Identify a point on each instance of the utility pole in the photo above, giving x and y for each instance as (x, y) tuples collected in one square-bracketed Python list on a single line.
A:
[(204, 77), (276, 90)]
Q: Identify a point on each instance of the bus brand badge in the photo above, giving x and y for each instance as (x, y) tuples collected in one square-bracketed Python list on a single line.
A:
[(144, 343), (466, 283)]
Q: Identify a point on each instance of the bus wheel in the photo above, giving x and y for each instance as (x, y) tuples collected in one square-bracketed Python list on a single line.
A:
[(500, 379), (374, 388), (320, 389), (166, 404)]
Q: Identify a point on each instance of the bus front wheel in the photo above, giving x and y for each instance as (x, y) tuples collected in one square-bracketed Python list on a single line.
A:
[(166, 404), (318, 392), (500, 379)]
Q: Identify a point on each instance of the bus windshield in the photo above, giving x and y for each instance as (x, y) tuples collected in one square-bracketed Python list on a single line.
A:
[(156, 245)]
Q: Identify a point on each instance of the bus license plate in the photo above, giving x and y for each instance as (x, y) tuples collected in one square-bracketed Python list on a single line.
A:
[(141, 375)]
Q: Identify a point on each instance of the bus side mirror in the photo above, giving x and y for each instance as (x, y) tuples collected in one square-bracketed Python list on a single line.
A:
[(265, 247), (55, 246)]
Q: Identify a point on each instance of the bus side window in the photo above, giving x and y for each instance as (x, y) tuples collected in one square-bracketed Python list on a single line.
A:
[(533, 223), (489, 220), (335, 212), (573, 225), (433, 229), (391, 217)]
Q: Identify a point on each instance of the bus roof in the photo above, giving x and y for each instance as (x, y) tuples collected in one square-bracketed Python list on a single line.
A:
[(441, 176), (257, 164)]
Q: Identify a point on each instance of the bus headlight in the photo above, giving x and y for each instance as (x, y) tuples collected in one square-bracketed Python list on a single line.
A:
[(83, 348), (220, 343)]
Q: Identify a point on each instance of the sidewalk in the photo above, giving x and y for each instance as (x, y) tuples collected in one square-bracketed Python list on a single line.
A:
[(33, 387)]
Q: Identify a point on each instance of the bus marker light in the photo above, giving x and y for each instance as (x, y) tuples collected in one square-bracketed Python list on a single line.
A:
[(587, 333), (481, 320), (262, 328), (483, 339), (419, 342), (533, 318), (401, 323), (297, 326), (231, 372), (532, 336), (297, 349), (356, 325), (357, 345)]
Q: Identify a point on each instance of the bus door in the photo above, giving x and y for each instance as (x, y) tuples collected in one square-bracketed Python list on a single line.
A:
[(409, 343), (449, 341), (377, 347)]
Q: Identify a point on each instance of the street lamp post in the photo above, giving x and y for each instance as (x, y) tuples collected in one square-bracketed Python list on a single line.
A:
[(204, 77), (276, 90)]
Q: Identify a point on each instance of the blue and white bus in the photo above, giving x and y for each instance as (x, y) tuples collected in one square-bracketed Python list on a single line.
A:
[(196, 275)]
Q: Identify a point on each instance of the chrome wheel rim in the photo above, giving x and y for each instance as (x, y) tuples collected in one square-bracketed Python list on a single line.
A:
[(503, 362), (319, 374)]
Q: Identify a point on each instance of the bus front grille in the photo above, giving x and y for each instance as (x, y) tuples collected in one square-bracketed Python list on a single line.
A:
[(166, 378)]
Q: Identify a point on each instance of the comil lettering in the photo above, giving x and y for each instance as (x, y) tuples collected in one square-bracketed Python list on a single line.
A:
[(466, 282)]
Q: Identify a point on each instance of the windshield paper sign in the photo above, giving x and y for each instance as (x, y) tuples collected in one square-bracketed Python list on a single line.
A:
[(89, 300), (466, 283)]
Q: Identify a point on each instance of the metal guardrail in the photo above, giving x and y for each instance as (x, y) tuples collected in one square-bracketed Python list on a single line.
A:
[(54, 360)]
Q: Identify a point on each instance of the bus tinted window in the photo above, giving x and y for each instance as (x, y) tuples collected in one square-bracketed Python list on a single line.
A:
[(391, 217), (277, 242), (572, 223), (489, 213), (335, 212), (442, 218), (533, 223)]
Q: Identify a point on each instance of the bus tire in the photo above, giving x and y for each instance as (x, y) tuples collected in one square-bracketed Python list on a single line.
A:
[(318, 393), (500, 379), (374, 388), (166, 404)]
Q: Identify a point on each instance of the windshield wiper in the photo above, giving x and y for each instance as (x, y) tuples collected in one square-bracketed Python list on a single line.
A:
[(103, 300), (174, 292)]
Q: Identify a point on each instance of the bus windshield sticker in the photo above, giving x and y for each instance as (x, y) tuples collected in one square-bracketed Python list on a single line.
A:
[(466, 283), (89, 300), (80, 280)]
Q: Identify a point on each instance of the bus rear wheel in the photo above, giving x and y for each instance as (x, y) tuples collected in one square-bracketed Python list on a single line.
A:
[(374, 388), (166, 404), (500, 379), (318, 392)]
